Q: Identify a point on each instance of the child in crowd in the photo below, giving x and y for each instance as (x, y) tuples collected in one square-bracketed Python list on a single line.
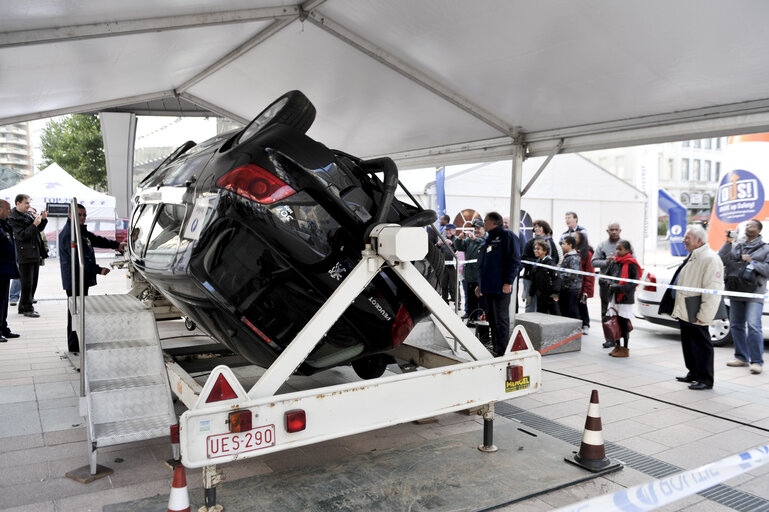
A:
[(545, 282), (622, 292), (572, 283)]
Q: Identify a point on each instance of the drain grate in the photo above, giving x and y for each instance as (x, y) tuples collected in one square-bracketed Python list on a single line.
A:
[(721, 494)]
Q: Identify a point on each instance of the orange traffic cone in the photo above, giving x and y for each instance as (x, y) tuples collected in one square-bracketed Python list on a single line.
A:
[(592, 455), (179, 500)]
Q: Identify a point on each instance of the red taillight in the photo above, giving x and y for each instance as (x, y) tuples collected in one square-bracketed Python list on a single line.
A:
[(402, 326), (255, 183), (221, 391), (240, 421), (255, 329), (650, 279), (296, 421)]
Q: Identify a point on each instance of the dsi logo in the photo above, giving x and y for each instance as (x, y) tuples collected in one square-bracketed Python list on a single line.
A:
[(740, 196)]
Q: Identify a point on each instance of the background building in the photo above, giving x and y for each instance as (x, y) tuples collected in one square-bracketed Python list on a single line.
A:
[(15, 154)]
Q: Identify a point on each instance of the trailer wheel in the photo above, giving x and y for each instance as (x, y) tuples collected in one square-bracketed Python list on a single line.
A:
[(371, 367), (189, 324)]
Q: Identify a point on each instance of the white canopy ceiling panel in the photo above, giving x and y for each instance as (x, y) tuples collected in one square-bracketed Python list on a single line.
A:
[(363, 106), (82, 72), (550, 64)]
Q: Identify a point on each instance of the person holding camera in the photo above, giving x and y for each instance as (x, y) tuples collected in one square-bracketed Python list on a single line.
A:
[(29, 250), (746, 268)]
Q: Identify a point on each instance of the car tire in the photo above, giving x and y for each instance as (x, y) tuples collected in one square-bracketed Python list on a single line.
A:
[(371, 367), (297, 112), (720, 333)]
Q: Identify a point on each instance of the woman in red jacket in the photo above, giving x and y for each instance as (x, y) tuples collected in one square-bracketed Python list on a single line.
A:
[(588, 282)]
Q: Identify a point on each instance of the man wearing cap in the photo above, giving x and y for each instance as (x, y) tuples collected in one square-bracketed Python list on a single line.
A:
[(449, 276), (471, 245)]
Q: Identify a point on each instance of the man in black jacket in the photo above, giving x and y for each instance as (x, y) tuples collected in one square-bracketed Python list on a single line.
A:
[(29, 250), (8, 269), (89, 241)]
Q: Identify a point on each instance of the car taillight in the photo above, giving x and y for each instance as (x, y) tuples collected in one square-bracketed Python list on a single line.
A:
[(255, 183), (650, 278), (296, 421), (239, 421), (402, 326)]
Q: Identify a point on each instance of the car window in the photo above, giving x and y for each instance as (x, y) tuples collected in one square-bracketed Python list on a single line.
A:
[(183, 170), (164, 239), (140, 229)]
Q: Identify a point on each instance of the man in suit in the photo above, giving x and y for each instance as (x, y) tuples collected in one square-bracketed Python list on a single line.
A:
[(8, 269), (89, 241), (29, 250)]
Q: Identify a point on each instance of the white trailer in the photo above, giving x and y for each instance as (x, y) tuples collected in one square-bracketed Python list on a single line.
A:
[(225, 422)]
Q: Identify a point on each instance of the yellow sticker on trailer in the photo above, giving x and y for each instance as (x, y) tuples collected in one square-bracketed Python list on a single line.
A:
[(517, 385)]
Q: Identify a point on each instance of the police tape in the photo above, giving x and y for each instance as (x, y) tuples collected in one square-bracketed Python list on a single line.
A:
[(662, 492), (648, 283)]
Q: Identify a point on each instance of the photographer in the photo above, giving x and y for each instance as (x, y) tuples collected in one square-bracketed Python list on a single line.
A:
[(29, 250), (745, 270)]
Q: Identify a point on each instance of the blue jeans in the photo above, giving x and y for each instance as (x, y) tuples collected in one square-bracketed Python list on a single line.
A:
[(748, 343), (15, 290)]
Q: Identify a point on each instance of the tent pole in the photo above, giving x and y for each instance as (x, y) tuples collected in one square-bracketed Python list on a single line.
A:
[(542, 167), (515, 212)]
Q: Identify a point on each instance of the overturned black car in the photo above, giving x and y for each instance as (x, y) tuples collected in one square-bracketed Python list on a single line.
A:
[(250, 232)]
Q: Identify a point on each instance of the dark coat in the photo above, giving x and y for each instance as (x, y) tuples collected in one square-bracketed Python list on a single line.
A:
[(611, 288), (545, 281), (29, 245), (471, 248), (8, 268), (498, 261), (528, 255), (89, 242)]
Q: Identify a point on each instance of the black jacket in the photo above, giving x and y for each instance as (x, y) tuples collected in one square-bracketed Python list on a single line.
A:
[(8, 268), (65, 255), (29, 246), (611, 288), (499, 260)]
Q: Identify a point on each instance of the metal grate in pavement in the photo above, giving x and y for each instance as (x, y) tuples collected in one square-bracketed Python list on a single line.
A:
[(721, 494)]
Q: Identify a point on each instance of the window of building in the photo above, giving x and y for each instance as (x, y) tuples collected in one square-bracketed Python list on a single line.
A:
[(669, 169), (718, 142), (718, 171), (685, 144), (708, 170), (706, 143), (696, 170), (696, 143), (685, 169)]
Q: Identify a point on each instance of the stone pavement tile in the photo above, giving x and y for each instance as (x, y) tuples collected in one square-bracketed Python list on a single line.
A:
[(642, 445), (19, 408), (757, 485), (61, 418), (34, 507), (626, 429), (65, 436), (578, 492), (48, 390), (21, 442), (666, 418), (647, 405), (711, 424), (706, 506), (530, 505), (21, 474), (12, 394), (560, 395), (52, 489), (96, 500), (561, 410), (737, 440), (11, 382), (45, 454), (34, 373), (69, 375), (15, 425), (676, 435), (694, 501), (614, 413), (575, 421), (692, 455), (716, 404), (750, 413), (14, 366), (123, 476), (54, 403)]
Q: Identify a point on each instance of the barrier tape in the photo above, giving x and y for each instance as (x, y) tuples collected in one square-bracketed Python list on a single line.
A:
[(662, 492), (707, 291)]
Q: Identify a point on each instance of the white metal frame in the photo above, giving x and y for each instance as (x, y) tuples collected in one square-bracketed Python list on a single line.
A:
[(350, 408)]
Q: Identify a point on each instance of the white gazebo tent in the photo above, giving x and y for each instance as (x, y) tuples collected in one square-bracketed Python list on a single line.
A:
[(55, 185)]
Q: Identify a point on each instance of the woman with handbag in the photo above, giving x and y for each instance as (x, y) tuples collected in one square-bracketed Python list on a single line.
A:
[(622, 293)]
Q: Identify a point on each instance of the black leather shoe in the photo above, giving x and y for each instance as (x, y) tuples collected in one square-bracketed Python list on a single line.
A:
[(32, 314), (686, 379), (700, 385), (9, 334), (608, 344), (3, 340)]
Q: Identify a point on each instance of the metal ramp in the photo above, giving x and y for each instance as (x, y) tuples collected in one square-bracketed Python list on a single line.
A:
[(126, 387)]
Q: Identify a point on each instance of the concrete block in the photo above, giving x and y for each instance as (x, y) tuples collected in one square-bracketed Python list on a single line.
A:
[(552, 334)]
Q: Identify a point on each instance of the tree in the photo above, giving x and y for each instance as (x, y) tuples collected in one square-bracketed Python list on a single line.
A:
[(74, 142)]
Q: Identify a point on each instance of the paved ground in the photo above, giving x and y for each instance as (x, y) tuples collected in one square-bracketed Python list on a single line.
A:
[(643, 409)]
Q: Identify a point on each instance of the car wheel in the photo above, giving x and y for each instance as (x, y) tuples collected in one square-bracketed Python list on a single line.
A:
[(293, 109), (720, 333), (371, 367)]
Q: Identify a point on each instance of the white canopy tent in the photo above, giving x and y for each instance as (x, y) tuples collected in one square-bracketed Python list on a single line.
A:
[(424, 81)]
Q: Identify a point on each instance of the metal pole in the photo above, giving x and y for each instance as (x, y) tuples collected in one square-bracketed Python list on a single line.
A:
[(75, 243), (488, 430)]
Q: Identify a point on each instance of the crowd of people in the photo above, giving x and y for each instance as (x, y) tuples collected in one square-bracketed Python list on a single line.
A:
[(24, 248)]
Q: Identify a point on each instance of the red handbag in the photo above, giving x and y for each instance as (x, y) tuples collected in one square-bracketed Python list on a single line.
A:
[(611, 328)]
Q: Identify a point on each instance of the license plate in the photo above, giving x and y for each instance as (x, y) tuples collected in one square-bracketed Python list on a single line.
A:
[(233, 443)]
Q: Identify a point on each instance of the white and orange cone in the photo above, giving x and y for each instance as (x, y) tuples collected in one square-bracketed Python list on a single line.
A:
[(179, 500), (592, 455)]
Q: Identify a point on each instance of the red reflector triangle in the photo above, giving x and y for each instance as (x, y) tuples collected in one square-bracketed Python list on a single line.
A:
[(221, 391), (519, 343)]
